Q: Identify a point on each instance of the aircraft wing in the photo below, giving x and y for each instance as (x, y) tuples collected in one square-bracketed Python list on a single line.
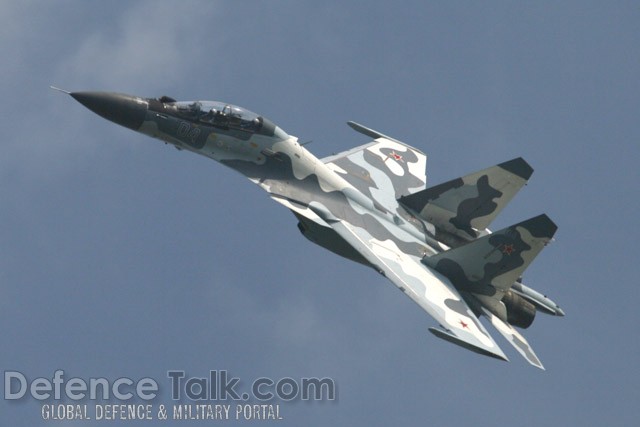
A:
[(430, 290), (384, 169)]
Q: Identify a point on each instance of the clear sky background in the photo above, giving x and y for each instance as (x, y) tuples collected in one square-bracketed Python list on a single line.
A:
[(120, 256)]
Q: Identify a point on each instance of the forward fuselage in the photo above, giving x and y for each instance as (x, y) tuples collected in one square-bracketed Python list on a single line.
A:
[(268, 156)]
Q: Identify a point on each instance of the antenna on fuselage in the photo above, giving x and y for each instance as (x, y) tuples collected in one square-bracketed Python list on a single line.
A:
[(60, 90)]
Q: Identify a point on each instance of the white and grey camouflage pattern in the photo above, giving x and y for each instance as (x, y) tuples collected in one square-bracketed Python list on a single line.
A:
[(371, 205)]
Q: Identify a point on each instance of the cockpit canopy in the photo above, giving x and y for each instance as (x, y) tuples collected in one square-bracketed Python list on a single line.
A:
[(219, 114), (224, 116)]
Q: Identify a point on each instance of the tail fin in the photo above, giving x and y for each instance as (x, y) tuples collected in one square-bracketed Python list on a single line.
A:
[(495, 261), (472, 202)]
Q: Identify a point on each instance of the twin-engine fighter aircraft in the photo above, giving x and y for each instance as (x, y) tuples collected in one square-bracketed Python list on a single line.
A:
[(371, 205)]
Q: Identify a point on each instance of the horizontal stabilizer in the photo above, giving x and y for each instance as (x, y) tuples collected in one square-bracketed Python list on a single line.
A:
[(464, 205), (515, 338), (494, 262), (498, 354)]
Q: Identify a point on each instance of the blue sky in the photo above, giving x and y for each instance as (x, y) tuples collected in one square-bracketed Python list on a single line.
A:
[(120, 256)]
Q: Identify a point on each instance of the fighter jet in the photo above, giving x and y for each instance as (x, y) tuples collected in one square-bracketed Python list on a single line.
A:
[(371, 205)]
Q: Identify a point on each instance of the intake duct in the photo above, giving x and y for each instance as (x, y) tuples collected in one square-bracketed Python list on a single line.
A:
[(520, 312)]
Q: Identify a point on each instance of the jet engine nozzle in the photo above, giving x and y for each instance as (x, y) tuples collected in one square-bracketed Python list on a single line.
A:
[(520, 312)]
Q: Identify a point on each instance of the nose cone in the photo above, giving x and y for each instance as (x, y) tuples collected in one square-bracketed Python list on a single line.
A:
[(125, 110)]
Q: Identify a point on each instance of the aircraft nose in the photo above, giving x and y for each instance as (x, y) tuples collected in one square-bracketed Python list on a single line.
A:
[(126, 110)]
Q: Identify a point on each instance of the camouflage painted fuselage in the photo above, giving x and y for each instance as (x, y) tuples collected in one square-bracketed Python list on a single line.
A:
[(371, 205), (295, 177)]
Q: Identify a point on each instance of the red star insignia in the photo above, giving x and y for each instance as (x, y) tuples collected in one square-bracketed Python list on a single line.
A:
[(397, 157), (464, 325), (507, 249)]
